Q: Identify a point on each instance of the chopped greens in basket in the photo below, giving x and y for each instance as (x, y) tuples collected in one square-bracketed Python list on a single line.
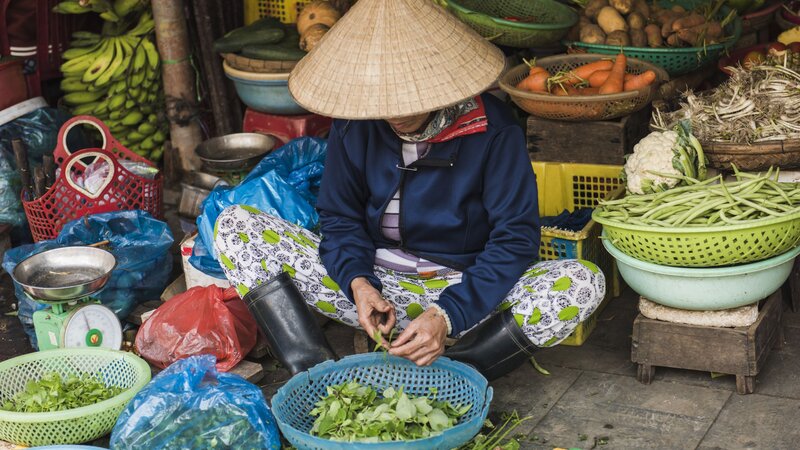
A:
[(54, 393), (352, 412)]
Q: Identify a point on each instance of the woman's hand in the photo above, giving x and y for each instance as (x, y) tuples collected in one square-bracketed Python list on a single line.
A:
[(423, 341), (374, 313)]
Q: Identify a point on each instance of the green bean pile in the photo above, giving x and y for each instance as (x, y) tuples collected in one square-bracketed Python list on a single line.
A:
[(710, 203)]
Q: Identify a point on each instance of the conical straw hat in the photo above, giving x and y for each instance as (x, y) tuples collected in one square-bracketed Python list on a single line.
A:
[(394, 58)]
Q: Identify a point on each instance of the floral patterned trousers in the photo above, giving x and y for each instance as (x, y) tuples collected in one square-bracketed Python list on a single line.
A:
[(548, 301)]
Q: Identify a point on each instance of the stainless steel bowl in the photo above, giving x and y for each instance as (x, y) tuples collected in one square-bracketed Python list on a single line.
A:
[(233, 152), (65, 273)]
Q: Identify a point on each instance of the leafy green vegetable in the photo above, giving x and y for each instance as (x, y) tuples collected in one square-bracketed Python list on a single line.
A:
[(493, 440), (351, 412), (54, 393)]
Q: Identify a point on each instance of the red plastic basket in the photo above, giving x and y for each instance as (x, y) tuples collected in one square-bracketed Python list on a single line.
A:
[(66, 201), (110, 144)]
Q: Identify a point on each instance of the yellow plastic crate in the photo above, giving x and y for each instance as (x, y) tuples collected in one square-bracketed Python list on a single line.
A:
[(284, 10), (570, 186)]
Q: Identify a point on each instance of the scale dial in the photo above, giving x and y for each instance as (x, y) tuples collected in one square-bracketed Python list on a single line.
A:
[(92, 326)]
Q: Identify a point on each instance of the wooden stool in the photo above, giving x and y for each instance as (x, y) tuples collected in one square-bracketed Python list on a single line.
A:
[(739, 351)]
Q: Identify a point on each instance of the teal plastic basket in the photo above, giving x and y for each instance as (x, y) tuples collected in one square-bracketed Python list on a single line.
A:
[(676, 61), (457, 383), (549, 20)]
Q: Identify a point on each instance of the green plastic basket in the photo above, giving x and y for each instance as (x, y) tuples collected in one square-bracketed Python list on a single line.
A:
[(676, 61), (73, 426), (705, 246), (549, 20)]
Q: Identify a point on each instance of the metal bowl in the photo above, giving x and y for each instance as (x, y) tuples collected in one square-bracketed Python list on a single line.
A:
[(65, 273), (238, 151)]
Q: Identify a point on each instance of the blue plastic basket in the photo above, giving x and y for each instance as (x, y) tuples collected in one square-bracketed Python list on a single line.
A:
[(457, 383)]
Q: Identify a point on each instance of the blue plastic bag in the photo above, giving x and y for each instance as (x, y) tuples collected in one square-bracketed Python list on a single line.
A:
[(285, 184), (10, 205), (138, 241), (192, 406)]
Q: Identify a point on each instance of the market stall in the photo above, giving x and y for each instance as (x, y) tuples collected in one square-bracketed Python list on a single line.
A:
[(664, 138)]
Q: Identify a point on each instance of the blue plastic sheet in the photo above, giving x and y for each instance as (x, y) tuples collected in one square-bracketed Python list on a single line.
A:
[(138, 241), (192, 406), (10, 206), (285, 184)]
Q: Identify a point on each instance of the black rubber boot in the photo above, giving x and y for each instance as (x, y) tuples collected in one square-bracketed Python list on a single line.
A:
[(495, 347), (293, 333)]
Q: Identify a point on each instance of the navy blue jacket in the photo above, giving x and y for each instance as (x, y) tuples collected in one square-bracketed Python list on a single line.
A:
[(470, 204)]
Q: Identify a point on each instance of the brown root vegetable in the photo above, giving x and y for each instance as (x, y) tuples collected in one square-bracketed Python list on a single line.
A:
[(666, 28), (678, 9), (618, 38), (636, 21), (641, 7), (663, 16), (638, 37), (592, 34), (688, 36), (593, 8), (610, 20), (690, 21), (312, 36), (584, 21), (711, 30), (654, 39), (623, 6), (574, 33), (674, 41)]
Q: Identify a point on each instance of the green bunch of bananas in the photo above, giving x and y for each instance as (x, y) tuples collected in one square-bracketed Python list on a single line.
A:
[(117, 78)]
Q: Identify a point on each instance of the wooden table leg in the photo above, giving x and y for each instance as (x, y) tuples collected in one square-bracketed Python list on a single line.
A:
[(645, 373), (745, 384)]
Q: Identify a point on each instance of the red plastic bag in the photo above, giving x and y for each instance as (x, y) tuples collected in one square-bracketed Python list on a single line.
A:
[(203, 320)]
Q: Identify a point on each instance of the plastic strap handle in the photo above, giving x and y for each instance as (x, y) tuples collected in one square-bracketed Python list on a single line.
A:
[(82, 120), (112, 170)]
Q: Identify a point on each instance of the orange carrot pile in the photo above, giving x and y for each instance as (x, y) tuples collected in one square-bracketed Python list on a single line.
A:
[(597, 77)]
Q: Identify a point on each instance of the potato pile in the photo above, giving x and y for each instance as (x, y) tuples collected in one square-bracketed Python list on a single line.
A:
[(635, 23)]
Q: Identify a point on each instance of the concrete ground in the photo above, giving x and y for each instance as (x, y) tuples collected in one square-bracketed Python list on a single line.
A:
[(592, 400)]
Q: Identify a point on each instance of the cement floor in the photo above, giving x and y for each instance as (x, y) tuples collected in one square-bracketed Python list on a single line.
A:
[(592, 400)]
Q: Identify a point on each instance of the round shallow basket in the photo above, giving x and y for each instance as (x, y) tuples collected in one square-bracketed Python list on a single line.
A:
[(539, 23), (580, 107), (783, 21), (457, 383), (676, 61), (246, 64), (704, 246), (752, 157), (72, 426), (704, 289)]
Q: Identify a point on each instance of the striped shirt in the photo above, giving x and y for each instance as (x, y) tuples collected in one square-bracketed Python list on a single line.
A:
[(396, 259)]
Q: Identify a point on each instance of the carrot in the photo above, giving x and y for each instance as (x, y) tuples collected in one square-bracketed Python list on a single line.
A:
[(616, 79), (640, 81), (563, 90), (582, 73), (589, 91), (536, 82), (598, 78)]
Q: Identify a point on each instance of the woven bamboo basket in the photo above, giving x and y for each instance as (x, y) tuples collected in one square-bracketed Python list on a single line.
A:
[(258, 65), (753, 157)]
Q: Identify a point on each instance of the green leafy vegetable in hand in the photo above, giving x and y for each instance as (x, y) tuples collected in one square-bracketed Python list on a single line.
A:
[(56, 393), (351, 412)]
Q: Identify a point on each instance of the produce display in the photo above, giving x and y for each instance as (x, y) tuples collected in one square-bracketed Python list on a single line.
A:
[(116, 75), (270, 40), (52, 392), (710, 203), (599, 77), (352, 412), (636, 23), (759, 104), (790, 36), (663, 160)]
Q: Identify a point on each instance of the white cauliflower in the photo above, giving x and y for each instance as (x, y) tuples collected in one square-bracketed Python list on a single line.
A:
[(661, 160)]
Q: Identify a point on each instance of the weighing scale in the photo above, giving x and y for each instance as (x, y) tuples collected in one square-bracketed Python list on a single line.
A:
[(65, 279)]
